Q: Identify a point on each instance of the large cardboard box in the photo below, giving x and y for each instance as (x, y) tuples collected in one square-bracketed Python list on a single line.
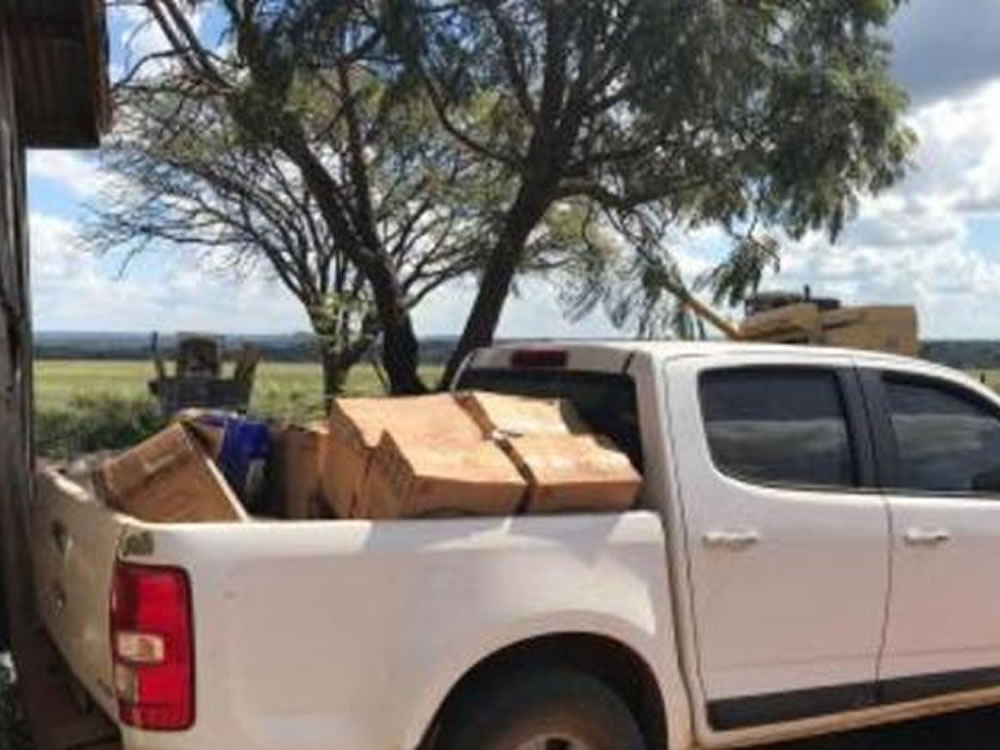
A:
[(422, 479), (356, 426), (345, 453), (169, 478), (295, 469), (519, 415), (568, 468), (574, 473)]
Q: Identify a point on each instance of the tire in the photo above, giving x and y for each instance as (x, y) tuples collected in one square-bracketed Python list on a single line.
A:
[(553, 709)]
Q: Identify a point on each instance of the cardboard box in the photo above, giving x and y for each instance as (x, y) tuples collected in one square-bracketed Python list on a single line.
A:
[(207, 425), (519, 415), (240, 447), (356, 426), (574, 473), (423, 479), (169, 478), (210, 436), (295, 470)]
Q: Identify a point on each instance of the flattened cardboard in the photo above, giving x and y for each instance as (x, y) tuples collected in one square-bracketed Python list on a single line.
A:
[(356, 427), (296, 469), (209, 435), (574, 473), (169, 478), (208, 426), (414, 479), (519, 415)]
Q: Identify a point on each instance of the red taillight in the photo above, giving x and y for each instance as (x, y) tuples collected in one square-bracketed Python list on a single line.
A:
[(152, 644), (554, 358)]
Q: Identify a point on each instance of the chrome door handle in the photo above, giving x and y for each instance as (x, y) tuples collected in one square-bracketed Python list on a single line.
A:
[(923, 537), (731, 539)]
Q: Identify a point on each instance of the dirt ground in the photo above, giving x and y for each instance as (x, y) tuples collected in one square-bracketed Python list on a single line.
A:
[(972, 730)]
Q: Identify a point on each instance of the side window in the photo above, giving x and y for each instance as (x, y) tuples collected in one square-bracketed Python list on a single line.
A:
[(946, 440), (778, 426)]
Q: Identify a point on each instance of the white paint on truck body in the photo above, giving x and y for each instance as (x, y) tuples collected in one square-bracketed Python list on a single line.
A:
[(349, 634)]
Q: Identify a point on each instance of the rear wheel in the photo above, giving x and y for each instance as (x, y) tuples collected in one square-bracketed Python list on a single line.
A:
[(554, 709)]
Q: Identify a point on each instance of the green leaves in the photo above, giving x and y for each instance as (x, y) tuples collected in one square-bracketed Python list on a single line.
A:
[(777, 114), (570, 138), (739, 276)]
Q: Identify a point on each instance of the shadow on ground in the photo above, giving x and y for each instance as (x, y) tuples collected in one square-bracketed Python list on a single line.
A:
[(972, 730)]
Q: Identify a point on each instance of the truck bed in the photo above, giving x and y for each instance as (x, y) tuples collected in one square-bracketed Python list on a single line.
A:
[(345, 633)]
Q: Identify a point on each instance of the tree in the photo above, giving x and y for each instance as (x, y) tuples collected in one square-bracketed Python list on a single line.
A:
[(754, 116), (369, 162), (630, 270), (184, 180)]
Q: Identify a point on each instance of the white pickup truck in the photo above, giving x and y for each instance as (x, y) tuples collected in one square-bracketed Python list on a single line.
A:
[(817, 547)]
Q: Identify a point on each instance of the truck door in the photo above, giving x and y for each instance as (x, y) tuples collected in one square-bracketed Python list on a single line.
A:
[(786, 534), (939, 441)]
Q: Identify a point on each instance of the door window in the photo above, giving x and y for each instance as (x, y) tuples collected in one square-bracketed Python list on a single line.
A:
[(947, 440), (778, 426)]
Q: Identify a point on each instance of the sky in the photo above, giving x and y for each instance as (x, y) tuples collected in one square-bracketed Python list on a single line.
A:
[(933, 241)]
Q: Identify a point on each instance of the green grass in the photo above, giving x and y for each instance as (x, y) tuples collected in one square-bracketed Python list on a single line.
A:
[(279, 385), (84, 405), (58, 382)]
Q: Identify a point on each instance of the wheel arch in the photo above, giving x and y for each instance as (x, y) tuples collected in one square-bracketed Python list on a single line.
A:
[(605, 657)]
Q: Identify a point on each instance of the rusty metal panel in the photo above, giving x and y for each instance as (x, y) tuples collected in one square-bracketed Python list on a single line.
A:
[(41, 8), (44, 685), (54, 106), (59, 50), (15, 350)]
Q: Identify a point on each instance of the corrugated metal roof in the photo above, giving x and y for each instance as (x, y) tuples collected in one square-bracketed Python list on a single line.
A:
[(45, 9), (59, 50)]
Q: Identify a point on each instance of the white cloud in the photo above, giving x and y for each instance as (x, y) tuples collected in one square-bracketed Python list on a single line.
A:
[(73, 290), (142, 39), (76, 172), (945, 47), (917, 244)]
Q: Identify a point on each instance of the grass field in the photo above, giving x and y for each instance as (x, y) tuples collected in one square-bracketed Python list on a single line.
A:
[(85, 405), (279, 385)]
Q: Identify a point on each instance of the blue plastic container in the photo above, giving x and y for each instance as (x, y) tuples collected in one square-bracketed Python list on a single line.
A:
[(243, 457), (246, 448)]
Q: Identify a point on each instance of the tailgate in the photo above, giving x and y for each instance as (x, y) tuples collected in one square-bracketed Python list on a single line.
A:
[(74, 546), (348, 634)]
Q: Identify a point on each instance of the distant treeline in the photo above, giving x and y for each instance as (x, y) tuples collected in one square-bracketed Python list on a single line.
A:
[(297, 347), (963, 355), (301, 347)]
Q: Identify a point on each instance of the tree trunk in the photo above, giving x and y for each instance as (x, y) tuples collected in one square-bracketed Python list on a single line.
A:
[(338, 360), (335, 371), (498, 276), (400, 348)]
